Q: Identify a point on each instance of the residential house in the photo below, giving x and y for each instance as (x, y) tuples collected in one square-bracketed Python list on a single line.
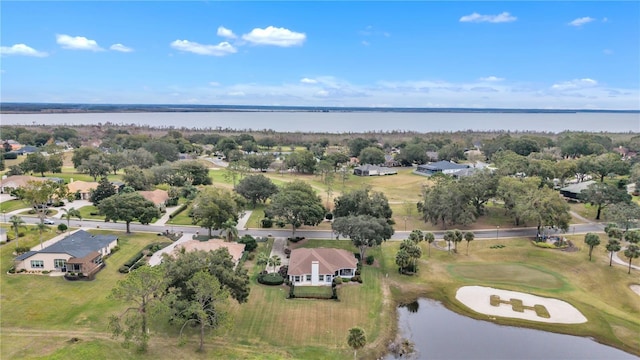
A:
[(16, 181), (390, 161), (83, 189), (319, 266), (573, 191), (235, 249), (373, 170), (443, 167), (118, 185), (28, 149), (80, 252), (157, 197)]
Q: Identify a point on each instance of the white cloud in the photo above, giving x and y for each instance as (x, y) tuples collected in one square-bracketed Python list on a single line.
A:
[(214, 83), (21, 49), (607, 51), (491, 78), (120, 48), (581, 21), (275, 36), (222, 49), (500, 18), (226, 33), (308, 81), (77, 43), (574, 84), (365, 43)]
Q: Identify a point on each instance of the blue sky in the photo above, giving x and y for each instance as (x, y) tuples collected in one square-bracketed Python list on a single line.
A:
[(579, 55)]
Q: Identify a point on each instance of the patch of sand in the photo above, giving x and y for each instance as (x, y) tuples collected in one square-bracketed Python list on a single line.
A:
[(477, 298), (635, 288)]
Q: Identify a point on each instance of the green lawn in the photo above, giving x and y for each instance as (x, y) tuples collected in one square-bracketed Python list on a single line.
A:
[(324, 292), (86, 211), (13, 205)]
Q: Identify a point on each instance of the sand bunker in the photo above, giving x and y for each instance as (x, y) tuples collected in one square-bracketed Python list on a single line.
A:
[(512, 304), (635, 288)]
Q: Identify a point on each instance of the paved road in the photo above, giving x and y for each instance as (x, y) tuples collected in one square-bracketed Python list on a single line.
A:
[(316, 234)]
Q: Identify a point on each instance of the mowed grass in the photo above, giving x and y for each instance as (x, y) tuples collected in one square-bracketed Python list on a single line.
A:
[(13, 205), (513, 274), (324, 292), (600, 292)]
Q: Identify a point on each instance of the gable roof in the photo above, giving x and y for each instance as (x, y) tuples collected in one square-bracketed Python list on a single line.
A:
[(78, 245), (443, 165), (329, 260)]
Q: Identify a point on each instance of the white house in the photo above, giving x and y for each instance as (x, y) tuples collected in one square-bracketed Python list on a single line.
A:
[(320, 266), (79, 252)]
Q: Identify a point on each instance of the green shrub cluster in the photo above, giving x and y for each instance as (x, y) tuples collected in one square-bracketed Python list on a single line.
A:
[(22, 249), (544, 245), (266, 223), (369, 260), (337, 280), (271, 279), (249, 242), (497, 246)]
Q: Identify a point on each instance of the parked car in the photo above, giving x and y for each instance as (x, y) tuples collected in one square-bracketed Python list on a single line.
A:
[(49, 222)]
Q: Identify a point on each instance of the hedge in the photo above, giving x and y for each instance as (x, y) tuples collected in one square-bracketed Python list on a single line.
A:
[(271, 279), (182, 208)]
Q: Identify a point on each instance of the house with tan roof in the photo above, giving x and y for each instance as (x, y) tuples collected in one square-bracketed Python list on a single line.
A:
[(319, 266), (235, 249), (16, 181), (83, 188), (158, 197)]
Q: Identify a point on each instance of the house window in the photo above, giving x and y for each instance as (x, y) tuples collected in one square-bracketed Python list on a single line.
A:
[(321, 278), (308, 277), (37, 264), (59, 263), (297, 278), (328, 278)]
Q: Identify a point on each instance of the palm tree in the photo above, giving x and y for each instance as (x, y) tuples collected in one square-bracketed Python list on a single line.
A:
[(457, 238), (230, 230), (41, 228), (632, 252), (263, 259), (357, 339), (275, 261), (414, 252), (449, 236), (69, 213), (16, 222), (468, 236), (613, 246), (592, 240), (430, 238)]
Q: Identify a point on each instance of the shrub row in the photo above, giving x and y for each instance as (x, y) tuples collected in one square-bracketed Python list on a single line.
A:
[(296, 239), (179, 210)]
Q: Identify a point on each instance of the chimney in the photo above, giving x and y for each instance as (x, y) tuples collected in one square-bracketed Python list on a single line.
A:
[(315, 270)]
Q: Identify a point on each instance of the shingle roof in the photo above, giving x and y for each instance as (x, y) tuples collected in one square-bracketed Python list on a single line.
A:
[(443, 165), (235, 249), (577, 188), (329, 260), (82, 186), (156, 196), (78, 244)]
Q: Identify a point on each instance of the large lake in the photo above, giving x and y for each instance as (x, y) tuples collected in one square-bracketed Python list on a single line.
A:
[(439, 333), (344, 122)]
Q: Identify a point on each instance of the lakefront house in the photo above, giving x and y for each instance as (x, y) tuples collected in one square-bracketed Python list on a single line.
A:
[(319, 266)]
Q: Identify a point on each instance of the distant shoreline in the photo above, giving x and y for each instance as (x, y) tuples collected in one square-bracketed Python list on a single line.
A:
[(54, 108)]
